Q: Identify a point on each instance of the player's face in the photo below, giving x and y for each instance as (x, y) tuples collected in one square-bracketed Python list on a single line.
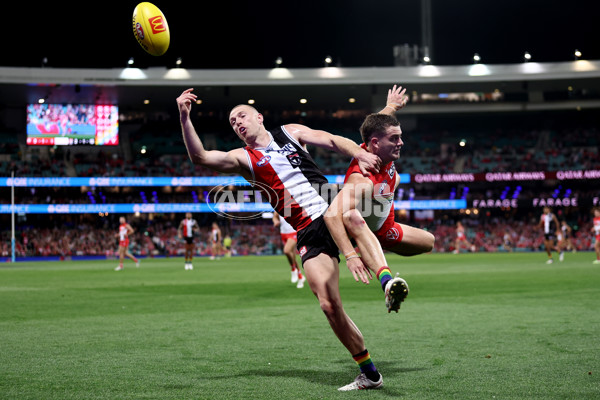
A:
[(389, 144), (122, 220), (246, 122), (188, 215), (597, 213)]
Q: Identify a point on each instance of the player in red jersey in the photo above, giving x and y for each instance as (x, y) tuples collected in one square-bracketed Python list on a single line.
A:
[(596, 232), (186, 230), (461, 239), (277, 160), (364, 209), (289, 238), (124, 231)]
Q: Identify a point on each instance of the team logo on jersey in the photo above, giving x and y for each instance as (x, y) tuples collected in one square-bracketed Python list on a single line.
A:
[(382, 192), (264, 160), (294, 159), (392, 171)]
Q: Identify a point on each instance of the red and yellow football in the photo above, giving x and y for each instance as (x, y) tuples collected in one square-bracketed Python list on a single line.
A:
[(151, 29)]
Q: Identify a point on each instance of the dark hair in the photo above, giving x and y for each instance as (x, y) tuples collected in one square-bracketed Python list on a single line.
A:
[(376, 124)]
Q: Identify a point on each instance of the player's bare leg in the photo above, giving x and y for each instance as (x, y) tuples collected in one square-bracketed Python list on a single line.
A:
[(415, 241), (395, 288)]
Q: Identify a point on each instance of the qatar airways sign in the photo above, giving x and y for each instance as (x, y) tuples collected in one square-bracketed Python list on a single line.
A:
[(515, 176), (437, 178), (507, 176), (589, 174)]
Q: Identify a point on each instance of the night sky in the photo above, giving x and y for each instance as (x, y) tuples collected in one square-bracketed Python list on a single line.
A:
[(251, 34)]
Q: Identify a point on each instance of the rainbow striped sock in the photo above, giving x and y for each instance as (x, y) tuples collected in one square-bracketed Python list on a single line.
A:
[(384, 274), (363, 359)]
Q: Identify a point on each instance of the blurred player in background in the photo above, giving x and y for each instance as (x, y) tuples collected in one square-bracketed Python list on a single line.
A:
[(567, 235), (550, 226), (596, 232), (227, 241), (507, 241), (216, 241), (461, 238), (124, 231), (289, 239), (186, 230)]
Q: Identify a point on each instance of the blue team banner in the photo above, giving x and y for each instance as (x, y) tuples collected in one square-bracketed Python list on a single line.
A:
[(135, 208), (198, 207), (450, 204), (147, 181), (124, 181)]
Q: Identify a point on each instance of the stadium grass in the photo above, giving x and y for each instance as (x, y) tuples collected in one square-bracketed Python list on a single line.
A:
[(475, 326)]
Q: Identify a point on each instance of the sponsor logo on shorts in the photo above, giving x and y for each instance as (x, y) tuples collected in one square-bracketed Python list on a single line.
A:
[(303, 250), (392, 234)]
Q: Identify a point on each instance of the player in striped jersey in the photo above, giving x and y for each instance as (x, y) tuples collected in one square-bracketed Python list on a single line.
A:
[(186, 230), (277, 160), (549, 223)]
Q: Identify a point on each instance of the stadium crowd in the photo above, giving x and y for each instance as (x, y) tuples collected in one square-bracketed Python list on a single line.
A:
[(259, 237), (155, 149)]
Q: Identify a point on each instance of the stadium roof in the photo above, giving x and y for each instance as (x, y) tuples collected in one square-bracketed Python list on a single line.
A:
[(328, 87)]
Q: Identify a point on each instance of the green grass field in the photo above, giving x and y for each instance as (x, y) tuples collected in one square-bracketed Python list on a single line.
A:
[(475, 326)]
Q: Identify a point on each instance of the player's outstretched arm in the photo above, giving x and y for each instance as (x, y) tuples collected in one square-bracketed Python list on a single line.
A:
[(367, 162), (352, 194), (216, 160)]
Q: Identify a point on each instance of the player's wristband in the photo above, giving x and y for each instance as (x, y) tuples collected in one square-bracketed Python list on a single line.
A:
[(351, 257), (350, 254)]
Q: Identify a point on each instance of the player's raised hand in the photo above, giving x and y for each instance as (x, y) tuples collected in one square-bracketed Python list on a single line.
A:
[(396, 98), (184, 102)]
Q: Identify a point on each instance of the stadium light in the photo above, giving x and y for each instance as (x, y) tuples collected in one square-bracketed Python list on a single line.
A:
[(278, 62), (130, 62), (426, 59), (476, 58), (328, 61), (178, 62), (526, 57), (577, 54)]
